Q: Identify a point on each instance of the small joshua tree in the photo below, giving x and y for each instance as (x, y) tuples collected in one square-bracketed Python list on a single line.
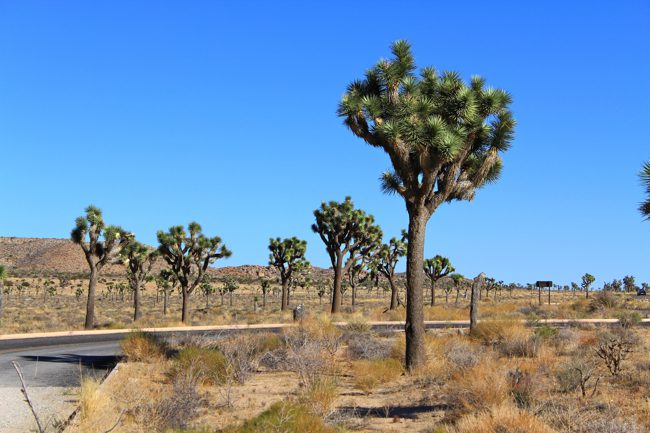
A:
[(139, 260), (208, 289), (287, 256), (230, 285), (188, 254), (436, 268), (386, 260), (345, 231), (629, 284), (587, 281), (166, 282), (457, 279), (265, 283), (100, 244)]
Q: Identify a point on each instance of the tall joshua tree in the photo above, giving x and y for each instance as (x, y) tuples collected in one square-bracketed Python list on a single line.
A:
[(287, 256), (436, 268), (345, 232), (587, 281), (386, 260), (100, 244), (188, 254), (443, 137), (139, 260), (3, 276)]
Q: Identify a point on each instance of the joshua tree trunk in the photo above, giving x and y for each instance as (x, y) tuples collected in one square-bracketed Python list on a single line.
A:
[(186, 304), (457, 295), (414, 327), (336, 290), (473, 307), (264, 299), (230, 300), (165, 300), (393, 294), (354, 295), (136, 301), (539, 295), (90, 304), (285, 296), (433, 293)]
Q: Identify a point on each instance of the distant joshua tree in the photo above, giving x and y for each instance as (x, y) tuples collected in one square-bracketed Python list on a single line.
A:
[(443, 137), (287, 256), (100, 244), (385, 262), (436, 268), (3, 276), (166, 282), (345, 231), (265, 283), (139, 259), (457, 280), (587, 281), (629, 283), (188, 254)]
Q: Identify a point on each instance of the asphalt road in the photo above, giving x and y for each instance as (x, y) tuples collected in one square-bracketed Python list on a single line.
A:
[(59, 365)]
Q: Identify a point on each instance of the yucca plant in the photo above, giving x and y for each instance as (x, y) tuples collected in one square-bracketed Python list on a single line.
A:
[(443, 137)]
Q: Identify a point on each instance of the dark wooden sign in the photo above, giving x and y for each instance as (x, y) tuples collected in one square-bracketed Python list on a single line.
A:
[(544, 284)]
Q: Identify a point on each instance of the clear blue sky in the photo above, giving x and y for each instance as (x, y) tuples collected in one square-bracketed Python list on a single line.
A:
[(165, 112)]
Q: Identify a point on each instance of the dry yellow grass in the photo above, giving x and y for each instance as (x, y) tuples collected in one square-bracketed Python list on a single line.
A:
[(502, 418), (368, 374)]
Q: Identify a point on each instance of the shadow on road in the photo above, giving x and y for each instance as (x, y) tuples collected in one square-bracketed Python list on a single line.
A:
[(100, 362)]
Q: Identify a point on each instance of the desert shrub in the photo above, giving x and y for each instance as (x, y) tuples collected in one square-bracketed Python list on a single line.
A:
[(311, 350), (502, 418), (142, 347), (520, 344), (614, 347), (461, 354), (568, 415), (546, 332), (285, 417), (478, 388), (629, 319), (523, 387), (578, 373), (242, 354), (602, 300), (370, 373), (180, 407), (200, 365), (368, 346), (355, 327), (319, 397), (491, 332), (565, 340)]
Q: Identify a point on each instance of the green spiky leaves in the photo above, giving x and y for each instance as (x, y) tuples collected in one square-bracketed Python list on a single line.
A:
[(288, 256), (430, 124), (644, 175)]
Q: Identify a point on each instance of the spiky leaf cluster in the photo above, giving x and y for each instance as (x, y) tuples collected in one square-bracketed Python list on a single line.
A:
[(97, 240), (189, 253), (438, 267), (288, 256), (347, 232), (443, 135), (139, 260), (644, 175), (387, 255)]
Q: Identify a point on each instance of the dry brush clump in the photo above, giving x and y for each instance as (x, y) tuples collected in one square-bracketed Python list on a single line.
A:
[(503, 418), (143, 347), (370, 373)]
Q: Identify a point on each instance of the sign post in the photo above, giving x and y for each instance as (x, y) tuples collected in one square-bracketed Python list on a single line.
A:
[(539, 285)]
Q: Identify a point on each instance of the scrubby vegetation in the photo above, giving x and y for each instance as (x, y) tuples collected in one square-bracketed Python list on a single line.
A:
[(505, 377)]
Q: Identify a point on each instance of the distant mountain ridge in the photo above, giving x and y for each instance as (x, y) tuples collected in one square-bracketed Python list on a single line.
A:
[(50, 256)]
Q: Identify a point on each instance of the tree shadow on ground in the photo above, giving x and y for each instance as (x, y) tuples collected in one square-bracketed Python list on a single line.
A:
[(100, 362), (408, 412)]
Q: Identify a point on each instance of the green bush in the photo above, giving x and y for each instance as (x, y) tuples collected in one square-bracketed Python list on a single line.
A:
[(200, 364)]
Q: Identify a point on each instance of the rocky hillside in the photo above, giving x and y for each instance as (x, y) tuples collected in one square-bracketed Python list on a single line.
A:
[(45, 256)]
